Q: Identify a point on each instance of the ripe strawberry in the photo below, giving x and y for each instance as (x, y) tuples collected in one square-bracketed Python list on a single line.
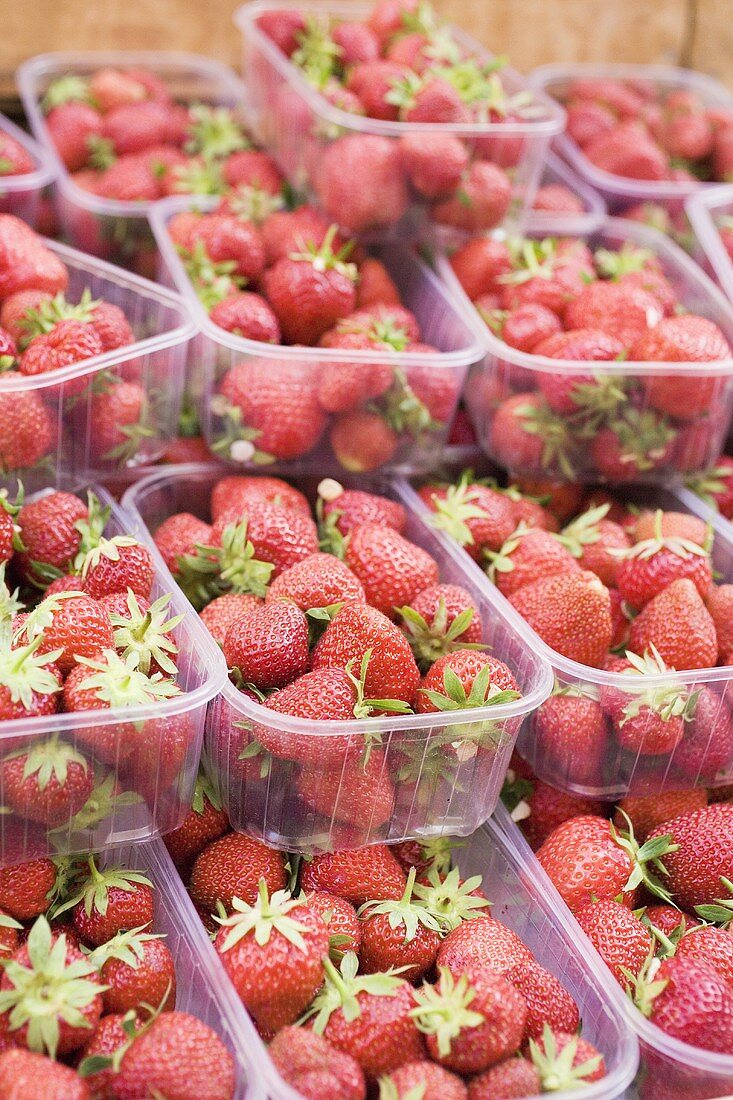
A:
[(269, 645), (357, 630), (527, 555), (682, 339), (26, 430), (138, 970), (527, 435), (248, 315), (482, 943), (105, 902), (429, 1079), (313, 1067), (481, 200), (340, 918), (619, 937), (434, 163), (362, 441), (281, 537), (25, 1074), (633, 444), (47, 782), (231, 867), (353, 792), (478, 517), (571, 612), (548, 1002), (317, 581), (272, 952), (703, 856), (529, 325), (110, 88), (566, 392), (587, 120), (26, 888), (119, 414), (571, 729), (692, 1003), (72, 128), (400, 933), (359, 875), (375, 285), (648, 722), (548, 807), (392, 569), (273, 408), (119, 564), (134, 127), (622, 310), (68, 343), (252, 168), (373, 82), (382, 197), (669, 919), (241, 492), (711, 946), (479, 265), (204, 823), (72, 623), (679, 626), (463, 679), (556, 198), (547, 1055), (221, 238), (129, 179), (50, 534), (671, 525), (646, 812), (25, 262), (627, 151), (178, 536), (513, 1077), (225, 610), (345, 509), (470, 1040), (439, 620), (176, 1054)]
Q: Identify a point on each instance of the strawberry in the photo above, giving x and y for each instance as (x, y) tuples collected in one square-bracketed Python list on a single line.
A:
[(72, 625), (711, 946), (119, 564), (627, 151), (682, 339), (571, 729), (252, 168), (204, 823), (463, 679), (24, 1074), (671, 525), (428, 99), (359, 875), (175, 1054), (272, 952), (105, 902), (633, 443), (571, 612), (391, 569), (178, 535), (432, 1081), (479, 265), (702, 857), (373, 82), (548, 1002), (481, 200), (622, 310), (50, 533), (362, 441), (668, 919), (478, 517), (375, 285), (317, 581), (138, 969), (439, 620), (400, 933), (287, 231), (344, 386), (690, 1001), (25, 262), (129, 179), (15, 160), (354, 792), (29, 680), (248, 315), (134, 127), (482, 943), (646, 812), (68, 343), (526, 555), (719, 602), (313, 1067), (544, 807), (72, 128), (434, 163), (587, 859), (619, 937), (368, 1016), (648, 722), (119, 414), (471, 1039), (525, 434), (556, 198), (47, 782), (677, 623), (237, 492), (357, 630), (344, 509), (26, 431), (309, 291), (529, 326), (513, 1077), (340, 918), (588, 120), (270, 408), (381, 198), (231, 867), (281, 537), (26, 888), (62, 1022), (110, 88), (269, 646)]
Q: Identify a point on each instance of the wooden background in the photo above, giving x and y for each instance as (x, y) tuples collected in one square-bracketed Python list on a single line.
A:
[(691, 32)]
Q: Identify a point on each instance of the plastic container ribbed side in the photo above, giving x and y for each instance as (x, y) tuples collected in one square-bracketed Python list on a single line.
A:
[(703, 757), (143, 759), (619, 191), (681, 411), (21, 194), (668, 1068), (107, 413), (427, 777), (226, 369), (114, 229), (555, 172), (201, 988), (705, 209), (301, 128)]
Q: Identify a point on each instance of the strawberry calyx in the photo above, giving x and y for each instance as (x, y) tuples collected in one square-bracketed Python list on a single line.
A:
[(254, 750), (122, 685), (596, 401), (443, 1009), (319, 618), (50, 759), (253, 203), (66, 89), (238, 568), (41, 617), (127, 946), (133, 437), (681, 547), (482, 692), (212, 280), (341, 988), (583, 531), (197, 177), (643, 988), (614, 264), (214, 132), (407, 911), (12, 507), (330, 539), (142, 637), (101, 152), (668, 701), (556, 1070), (105, 548), (317, 55), (90, 886), (47, 992), (234, 439), (531, 259), (422, 19), (644, 857), (91, 528), (203, 792), (448, 899), (267, 915), (439, 762), (323, 258), (643, 437), (710, 483), (102, 804), (23, 671), (133, 1027), (554, 432), (10, 603), (429, 641), (437, 854), (454, 510), (44, 317), (720, 912), (405, 89)]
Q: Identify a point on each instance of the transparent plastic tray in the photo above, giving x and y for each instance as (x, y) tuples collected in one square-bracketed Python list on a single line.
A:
[(201, 986), (217, 351), (69, 402), (619, 191), (111, 228), (137, 794), (297, 124), (543, 221), (435, 793), (21, 195), (505, 370), (703, 209), (618, 772), (668, 1068)]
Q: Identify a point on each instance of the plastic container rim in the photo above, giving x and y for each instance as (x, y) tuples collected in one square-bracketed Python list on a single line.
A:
[(41, 176)]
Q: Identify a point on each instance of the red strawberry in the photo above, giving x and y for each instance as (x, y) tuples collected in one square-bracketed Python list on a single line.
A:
[(313, 1067), (68, 343), (556, 198), (479, 265), (645, 722), (586, 1065), (340, 918), (513, 1077), (345, 385), (693, 1003), (134, 127), (619, 937), (703, 856), (548, 1002), (317, 581), (178, 536), (25, 262), (281, 537), (439, 620), (375, 285), (47, 782), (247, 315), (359, 874), (110, 88), (25, 1074), (633, 444), (571, 612), (392, 569), (72, 128), (646, 812), (345, 509), (374, 82), (26, 888), (286, 231), (588, 120), (482, 680), (240, 492), (622, 310), (225, 610), (73, 623), (571, 730), (269, 646), (129, 179), (478, 517), (679, 626), (283, 27), (356, 792), (252, 168), (381, 198), (362, 441), (119, 564), (400, 933), (627, 151), (225, 238), (481, 200), (357, 630), (204, 823), (482, 943), (231, 867), (682, 339), (668, 919), (119, 414), (711, 946), (526, 556), (430, 99), (529, 325), (548, 807), (26, 432), (526, 435), (108, 901), (434, 163), (138, 970), (434, 1083)]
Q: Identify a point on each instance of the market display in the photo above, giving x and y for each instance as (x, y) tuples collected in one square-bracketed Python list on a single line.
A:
[(411, 634)]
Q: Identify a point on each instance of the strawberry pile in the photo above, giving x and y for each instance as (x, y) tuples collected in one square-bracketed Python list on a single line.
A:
[(43, 331), (88, 991), (361, 626), (642, 131), (627, 590), (15, 160), (556, 299), (122, 135), (650, 883), (81, 633), (403, 65), (286, 277), (380, 967)]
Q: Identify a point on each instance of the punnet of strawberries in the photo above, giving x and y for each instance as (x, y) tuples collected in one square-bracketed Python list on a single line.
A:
[(628, 597), (88, 990), (551, 304), (381, 969), (452, 128), (83, 633), (286, 278)]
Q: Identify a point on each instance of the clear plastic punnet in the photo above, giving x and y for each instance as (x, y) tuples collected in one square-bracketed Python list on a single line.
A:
[(114, 229), (676, 415), (430, 777), (620, 192), (21, 194), (711, 212), (202, 989), (143, 759), (220, 361), (668, 1068), (704, 756), (300, 127), (555, 172), (105, 414)]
